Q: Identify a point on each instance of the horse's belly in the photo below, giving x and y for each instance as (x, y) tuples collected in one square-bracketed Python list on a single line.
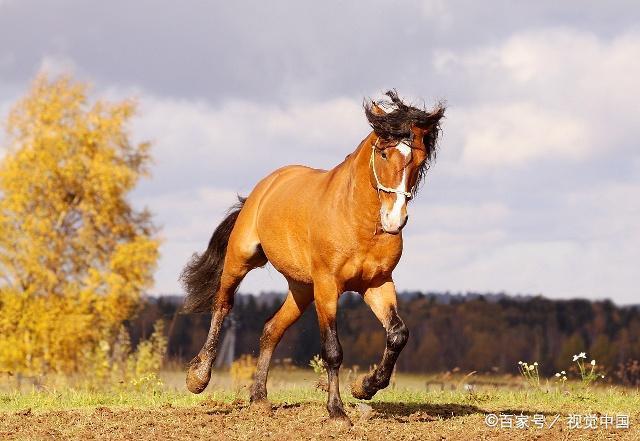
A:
[(282, 227), (288, 263)]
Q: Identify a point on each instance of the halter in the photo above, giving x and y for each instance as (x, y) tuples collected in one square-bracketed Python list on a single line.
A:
[(379, 185)]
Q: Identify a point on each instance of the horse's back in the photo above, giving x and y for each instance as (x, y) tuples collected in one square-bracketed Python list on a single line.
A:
[(288, 181), (297, 172)]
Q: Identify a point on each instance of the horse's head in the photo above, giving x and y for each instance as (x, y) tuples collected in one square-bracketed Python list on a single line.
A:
[(402, 147)]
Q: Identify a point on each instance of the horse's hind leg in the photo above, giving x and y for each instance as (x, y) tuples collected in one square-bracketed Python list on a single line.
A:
[(297, 300), (382, 301), (243, 253)]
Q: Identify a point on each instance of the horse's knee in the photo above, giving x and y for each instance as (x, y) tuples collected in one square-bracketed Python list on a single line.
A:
[(224, 301), (397, 335), (331, 350), (268, 332)]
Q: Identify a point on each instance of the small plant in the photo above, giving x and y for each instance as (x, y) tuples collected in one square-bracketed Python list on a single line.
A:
[(317, 365), (587, 374), (118, 364), (149, 354), (561, 377), (143, 365), (530, 373), (148, 382)]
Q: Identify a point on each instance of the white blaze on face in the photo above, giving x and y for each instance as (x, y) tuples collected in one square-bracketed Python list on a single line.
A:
[(393, 219)]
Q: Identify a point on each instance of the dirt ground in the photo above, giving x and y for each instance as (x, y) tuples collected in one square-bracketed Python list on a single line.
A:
[(239, 421)]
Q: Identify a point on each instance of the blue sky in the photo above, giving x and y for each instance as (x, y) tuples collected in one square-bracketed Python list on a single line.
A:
[(537, 184)]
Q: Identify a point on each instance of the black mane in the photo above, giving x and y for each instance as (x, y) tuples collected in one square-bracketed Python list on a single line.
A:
[(396, 123)]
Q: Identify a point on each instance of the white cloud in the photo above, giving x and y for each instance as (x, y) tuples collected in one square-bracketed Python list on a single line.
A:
[(4, 112), (608, 212), (438, 13), (560, 92), (592, 269), (515, 134), (495, 261), (538, 172), (592, 252), (203, 209), (187, 220), (246, 138), (7, 98), (57, 65), (457, 217)]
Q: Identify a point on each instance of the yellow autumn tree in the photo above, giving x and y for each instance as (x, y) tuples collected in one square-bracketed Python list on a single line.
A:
[(75, 256)]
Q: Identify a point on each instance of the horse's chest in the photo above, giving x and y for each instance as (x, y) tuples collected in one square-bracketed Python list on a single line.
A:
[(375, 267), (373, 263)]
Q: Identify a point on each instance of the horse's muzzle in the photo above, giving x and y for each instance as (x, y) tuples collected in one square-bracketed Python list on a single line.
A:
[(394, 227)]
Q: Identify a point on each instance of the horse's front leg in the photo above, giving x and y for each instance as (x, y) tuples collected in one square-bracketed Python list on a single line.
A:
[(382, 301), (326, 295)]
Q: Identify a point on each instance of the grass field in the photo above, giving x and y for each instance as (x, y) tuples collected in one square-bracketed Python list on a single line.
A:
[(416, 407)]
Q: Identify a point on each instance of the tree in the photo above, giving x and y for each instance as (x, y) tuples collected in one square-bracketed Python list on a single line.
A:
[(75, 256)]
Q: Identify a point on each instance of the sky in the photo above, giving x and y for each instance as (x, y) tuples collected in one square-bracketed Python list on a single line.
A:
[(536, 189)]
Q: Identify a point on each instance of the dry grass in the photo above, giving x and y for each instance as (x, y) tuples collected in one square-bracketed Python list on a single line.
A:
[(410, 411)]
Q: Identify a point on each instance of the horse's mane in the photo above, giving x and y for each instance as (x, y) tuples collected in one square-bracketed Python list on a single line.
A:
[(398, 118)]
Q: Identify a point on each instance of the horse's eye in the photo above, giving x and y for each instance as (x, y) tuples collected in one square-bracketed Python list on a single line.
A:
[(383, 154)]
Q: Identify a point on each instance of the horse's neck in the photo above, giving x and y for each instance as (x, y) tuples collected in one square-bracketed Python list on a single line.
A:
[(362, 203)]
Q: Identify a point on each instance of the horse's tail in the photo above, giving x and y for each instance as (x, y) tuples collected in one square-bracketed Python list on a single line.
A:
[(201, 276)]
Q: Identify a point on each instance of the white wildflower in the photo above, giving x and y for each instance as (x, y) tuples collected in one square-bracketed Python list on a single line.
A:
[(580, 355)]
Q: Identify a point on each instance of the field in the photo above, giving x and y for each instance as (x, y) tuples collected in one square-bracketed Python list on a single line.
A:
[(413, 408)]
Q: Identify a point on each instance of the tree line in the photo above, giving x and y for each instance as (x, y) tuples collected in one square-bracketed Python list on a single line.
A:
[(470, 333)]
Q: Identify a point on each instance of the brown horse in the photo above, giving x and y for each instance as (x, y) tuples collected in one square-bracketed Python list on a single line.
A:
[(327, 232)]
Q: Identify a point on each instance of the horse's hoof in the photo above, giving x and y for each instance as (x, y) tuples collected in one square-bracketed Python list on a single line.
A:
[(198, 375), (258, 393), (341, 421), (262, 405), (360, 391), (339, 417)]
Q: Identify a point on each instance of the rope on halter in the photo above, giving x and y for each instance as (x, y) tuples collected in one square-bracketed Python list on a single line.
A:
[(379, 185)]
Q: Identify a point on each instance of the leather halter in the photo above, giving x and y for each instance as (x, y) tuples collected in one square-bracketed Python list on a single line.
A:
[(379, 185)]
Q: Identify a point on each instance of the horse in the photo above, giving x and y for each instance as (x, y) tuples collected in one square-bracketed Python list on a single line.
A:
[(327, 232)]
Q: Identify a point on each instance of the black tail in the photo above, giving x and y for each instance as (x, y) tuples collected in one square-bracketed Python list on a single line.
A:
[(201, 276)]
